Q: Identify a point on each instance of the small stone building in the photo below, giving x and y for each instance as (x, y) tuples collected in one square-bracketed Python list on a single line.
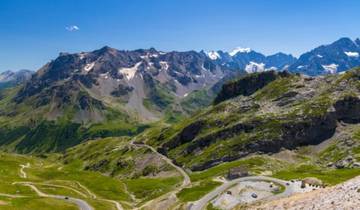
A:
[(237, 172), (311, 181)]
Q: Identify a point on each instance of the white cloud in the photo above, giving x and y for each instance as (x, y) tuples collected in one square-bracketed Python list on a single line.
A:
[(72, 28)]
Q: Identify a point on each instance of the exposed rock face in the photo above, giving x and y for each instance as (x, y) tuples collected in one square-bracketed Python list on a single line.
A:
[(291, 135), (186, 135), (247, 85), (348, 109)]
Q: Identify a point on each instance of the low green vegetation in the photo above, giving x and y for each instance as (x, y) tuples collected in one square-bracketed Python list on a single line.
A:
[(44, 174), (52, 177), (35, 203), (276, 88), (328, 176), (197, 191), (211, 207), (149, 188)]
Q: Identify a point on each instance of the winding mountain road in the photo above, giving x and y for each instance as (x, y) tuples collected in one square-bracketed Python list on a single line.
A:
[(92, 195), (201, 204), (83, 205), (186, 179), (22, 172)]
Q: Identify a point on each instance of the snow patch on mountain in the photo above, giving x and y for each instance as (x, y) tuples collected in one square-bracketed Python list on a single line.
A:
[(213, 55), (273, 68), (300, 67), (164, 65), (331, 68), (239, 50), (89, 66), (82, 55), (352, 54), (286, 67), (129, 73), (254, 67)]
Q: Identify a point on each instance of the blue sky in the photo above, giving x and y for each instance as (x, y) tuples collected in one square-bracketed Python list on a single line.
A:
[(34, 32)]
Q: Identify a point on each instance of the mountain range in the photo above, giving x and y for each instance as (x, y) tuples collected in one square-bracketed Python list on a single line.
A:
[(110, 91), (147, 129)]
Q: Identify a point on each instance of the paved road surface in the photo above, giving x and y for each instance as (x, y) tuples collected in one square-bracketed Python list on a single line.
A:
[(12, 196), (202, 203)]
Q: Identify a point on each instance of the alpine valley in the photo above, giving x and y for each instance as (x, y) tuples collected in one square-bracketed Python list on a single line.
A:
[(147, 129)]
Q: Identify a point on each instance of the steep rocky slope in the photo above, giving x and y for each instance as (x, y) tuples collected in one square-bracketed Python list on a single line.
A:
[(288, 112)]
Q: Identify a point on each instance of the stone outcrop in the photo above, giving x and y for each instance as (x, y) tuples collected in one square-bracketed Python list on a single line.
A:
[(248, 85)]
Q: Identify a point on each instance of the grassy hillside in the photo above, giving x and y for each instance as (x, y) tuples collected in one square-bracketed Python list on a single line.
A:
[(71, 179), (288, 112)]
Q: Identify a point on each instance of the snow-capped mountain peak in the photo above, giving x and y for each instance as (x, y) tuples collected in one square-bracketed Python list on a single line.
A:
[(336, 57), (239, 50)]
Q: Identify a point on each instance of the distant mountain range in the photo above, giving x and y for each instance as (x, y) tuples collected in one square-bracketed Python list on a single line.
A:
[(337, 57), (11, 78), (333, 58), (249, 61)]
